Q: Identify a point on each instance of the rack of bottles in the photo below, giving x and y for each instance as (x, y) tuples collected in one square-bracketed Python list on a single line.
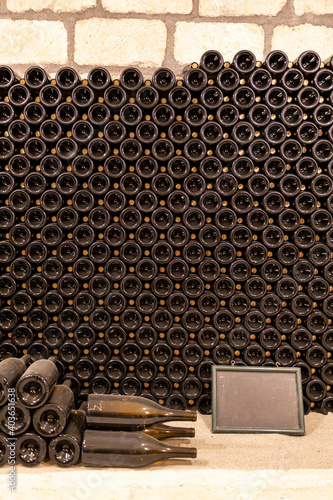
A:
[(150, 229)]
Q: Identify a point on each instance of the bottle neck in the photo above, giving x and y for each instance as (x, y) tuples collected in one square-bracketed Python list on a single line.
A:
[(180, 452), (166, 431), (67, 383), (26, 358), (83, 407), (190, 416)]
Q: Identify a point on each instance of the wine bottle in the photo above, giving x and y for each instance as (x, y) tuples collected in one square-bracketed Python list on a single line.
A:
[(16, 424), (127, 449), (31, 449), (326, 405), (34, 386), (50, 419), (11, 369), (129, 413), (65, 449)]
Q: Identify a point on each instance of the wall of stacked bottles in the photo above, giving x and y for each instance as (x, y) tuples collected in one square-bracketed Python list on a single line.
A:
[(150, 229)]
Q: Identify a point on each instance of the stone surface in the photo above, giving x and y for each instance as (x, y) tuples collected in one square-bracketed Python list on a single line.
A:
[(238, 8), (193, 39), (55, 5), (314, 7), (32, 42), (149, 6), (120, 42), (295, 40)]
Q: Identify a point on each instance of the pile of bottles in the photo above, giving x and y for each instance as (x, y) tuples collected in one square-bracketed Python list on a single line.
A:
[(150, 229), (36, 413), (38, 420)]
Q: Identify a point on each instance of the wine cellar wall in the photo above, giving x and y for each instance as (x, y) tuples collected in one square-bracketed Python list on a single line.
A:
[(150, 229)]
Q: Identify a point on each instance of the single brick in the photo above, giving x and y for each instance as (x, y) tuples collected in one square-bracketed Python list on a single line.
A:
[(149, 6), (313, 7), (122, 42), (295, 40), (37, 42), (217, 8), (55, 5), (193, 39)]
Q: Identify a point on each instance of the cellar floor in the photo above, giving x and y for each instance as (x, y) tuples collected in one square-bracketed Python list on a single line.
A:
[(228, 467)]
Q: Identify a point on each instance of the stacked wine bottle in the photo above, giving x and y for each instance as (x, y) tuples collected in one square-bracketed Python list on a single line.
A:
[(35, 413), (38, 419), (150, 229)]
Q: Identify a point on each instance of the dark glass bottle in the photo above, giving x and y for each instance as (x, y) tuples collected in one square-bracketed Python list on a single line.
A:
[(276, 62), (244, 62), (127, 449), (211, 62), (309, 62), (31, 449), (179, 97), (285, 355), (326, 406), (50, 420), (129, 413), (254, 354), (316, 356), (14, 417), (315, 390), (34, 386), (11, 369), (65, 449), (195, 79)]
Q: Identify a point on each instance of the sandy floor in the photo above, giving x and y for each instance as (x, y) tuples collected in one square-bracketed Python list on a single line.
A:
[(229, 466)]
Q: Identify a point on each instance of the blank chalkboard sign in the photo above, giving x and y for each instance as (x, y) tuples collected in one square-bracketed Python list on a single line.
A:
[(257, 399)]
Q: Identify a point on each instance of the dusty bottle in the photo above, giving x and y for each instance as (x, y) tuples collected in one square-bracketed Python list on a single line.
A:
[(50, 420), (127, 449), (30, 449), (34, 386), (65, 449), (11, 370), (14, 418), (129, 413)]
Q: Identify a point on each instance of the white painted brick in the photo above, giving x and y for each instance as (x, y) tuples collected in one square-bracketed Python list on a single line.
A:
[(37, 42), (149, 6), (295, 40), (122, 42), (217, 8), (55, 5), (193, 39), (313, 7)]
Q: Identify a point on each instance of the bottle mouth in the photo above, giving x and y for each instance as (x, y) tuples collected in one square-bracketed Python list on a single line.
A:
[(29, 452), (64, 451), (49, 422), (190, 432), (22, 420)]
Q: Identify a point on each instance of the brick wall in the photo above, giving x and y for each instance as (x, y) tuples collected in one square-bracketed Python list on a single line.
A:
[(151, 33)]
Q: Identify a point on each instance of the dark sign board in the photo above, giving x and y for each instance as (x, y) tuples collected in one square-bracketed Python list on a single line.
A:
[(257, 399)]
